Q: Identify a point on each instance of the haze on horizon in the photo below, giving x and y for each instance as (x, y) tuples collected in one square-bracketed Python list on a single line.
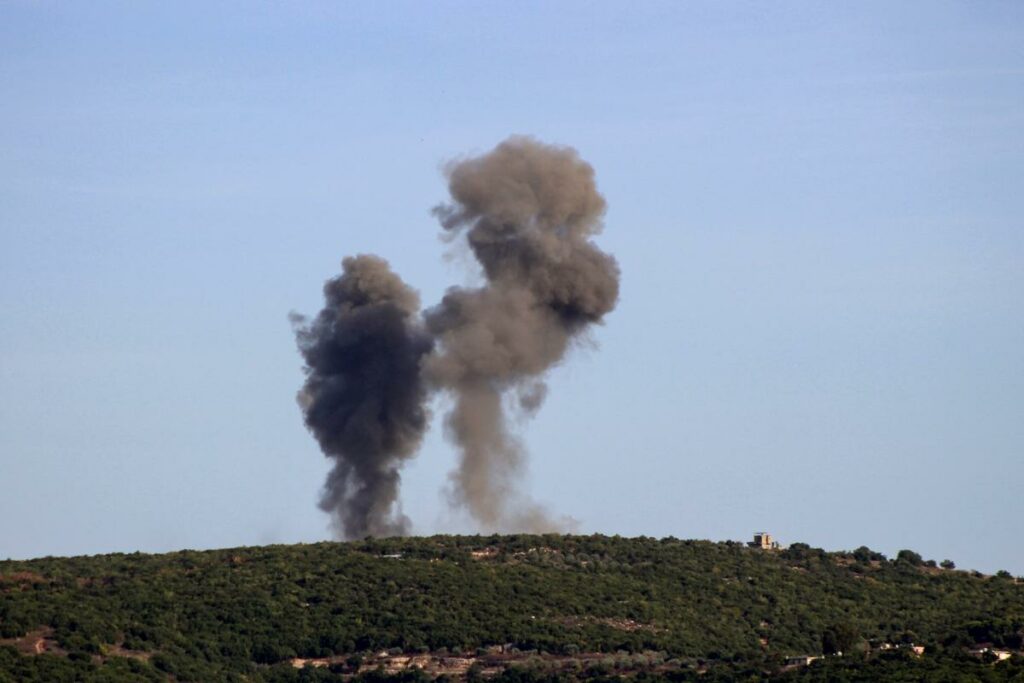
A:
[(816, 210)]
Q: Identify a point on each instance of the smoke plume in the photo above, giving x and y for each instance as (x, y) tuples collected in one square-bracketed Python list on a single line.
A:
[(363, 398), (528, 212)]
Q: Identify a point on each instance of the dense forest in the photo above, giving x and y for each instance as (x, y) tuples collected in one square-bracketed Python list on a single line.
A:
[(507, 608)]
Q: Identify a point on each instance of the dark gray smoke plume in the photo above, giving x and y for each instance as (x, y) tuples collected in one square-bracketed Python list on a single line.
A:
[(528, 212), (363, 398)]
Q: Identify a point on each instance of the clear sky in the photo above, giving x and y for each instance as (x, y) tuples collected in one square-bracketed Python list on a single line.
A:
[(817, 209)]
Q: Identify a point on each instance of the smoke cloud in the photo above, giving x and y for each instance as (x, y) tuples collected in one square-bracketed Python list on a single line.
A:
[(363, 398), (528, 212)]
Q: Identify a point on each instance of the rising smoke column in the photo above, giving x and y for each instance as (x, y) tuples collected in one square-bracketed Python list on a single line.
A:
[(363, 398), (528, 211)]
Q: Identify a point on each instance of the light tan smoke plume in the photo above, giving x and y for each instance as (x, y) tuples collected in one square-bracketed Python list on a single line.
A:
[(528, 211)]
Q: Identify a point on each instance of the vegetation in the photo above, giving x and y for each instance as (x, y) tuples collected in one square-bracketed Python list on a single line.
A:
[(541, 607)]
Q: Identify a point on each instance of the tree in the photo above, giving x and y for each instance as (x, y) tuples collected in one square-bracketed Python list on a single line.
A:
[(865, 554), (829, 644), (909, 557), (475, 673), (948, 564), (839, 638)]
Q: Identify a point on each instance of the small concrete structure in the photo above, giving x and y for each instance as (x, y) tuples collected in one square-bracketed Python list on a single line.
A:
[(764, 541), (982, 650), (801, 660)]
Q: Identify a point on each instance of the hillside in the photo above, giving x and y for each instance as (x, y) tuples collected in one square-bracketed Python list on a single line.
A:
[(509, 607)]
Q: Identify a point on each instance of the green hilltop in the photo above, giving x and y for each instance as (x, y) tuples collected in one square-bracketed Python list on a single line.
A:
[(509, 608)]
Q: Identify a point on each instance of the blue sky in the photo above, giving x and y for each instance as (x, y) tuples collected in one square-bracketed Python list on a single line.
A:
[(816, 208)]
